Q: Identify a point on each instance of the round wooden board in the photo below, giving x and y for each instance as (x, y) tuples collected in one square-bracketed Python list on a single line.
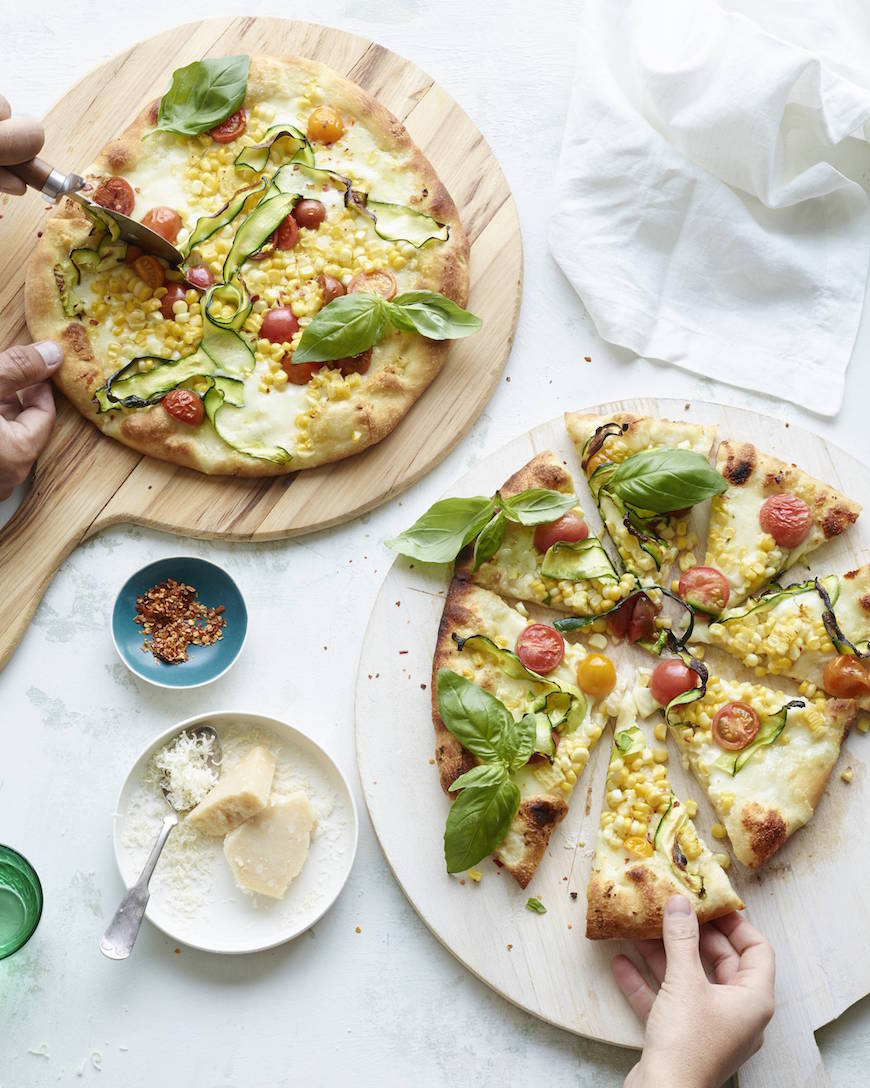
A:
[(807, 900), (85, 481)]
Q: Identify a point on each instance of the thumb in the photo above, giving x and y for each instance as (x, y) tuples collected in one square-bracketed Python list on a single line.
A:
[(25, 365), (680, 936)]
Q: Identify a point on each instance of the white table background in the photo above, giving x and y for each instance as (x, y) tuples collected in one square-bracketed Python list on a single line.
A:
[(388, 1006)]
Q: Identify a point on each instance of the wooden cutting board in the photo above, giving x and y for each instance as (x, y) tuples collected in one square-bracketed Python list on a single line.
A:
[(810, 900), (85, 481)]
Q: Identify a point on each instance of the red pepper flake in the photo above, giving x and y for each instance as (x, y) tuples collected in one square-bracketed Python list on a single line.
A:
[(402, 652), (172, 619), (573, 895)]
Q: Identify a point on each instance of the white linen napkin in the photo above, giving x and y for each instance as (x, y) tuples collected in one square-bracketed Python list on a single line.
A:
[(706, 211)]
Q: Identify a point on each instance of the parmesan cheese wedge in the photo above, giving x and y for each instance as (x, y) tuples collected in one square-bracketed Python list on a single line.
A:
[(240, 793), (268, 851)]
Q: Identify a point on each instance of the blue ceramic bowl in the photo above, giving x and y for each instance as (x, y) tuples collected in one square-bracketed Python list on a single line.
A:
[(205, 663)]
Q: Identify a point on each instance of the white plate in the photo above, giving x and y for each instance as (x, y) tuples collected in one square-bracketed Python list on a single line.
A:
[(194, 898)]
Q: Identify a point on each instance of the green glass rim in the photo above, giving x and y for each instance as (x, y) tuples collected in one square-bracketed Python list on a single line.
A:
[(32, 914)]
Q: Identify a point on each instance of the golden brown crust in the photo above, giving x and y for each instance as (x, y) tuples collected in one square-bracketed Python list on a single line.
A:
[(766, 831)]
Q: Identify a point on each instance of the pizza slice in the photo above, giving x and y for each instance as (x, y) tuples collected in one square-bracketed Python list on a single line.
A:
[(645, 505), (648, 850), (763, 759), (771, 515), (559, 564), (483, 694)]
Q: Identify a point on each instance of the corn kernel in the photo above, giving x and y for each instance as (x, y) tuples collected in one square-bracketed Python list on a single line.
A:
[(846, 774), (718, 831)]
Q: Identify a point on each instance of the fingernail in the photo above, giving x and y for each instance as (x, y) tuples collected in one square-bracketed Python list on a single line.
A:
[(678, 904), (52, 353)]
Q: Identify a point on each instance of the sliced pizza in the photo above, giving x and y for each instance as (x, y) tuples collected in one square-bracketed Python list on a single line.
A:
[(484, 695), (645, 475), (771, 515), (648, 850)]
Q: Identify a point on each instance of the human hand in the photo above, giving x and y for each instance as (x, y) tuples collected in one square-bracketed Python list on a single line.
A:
[(20, 139), (698, 1032), (26, 408)]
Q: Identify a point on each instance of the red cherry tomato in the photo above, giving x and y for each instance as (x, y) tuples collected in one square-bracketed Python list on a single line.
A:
[(133, 254), (163, 221), (671, 678), (569, 526), (279, 325), (787, 518), (185, 406), (845, 677), (540, 648), (150, 271), (174, 293), (199, 276), (634, 619), (355, 364), (735, 725), (287, 233), (330, 288), (229, 130), (116, 194), (706, 588), (309, 213), (299, 373), (379, 282)]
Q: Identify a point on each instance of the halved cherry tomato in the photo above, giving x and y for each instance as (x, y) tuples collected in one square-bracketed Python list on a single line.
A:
[(330, 288), (380, 282), (287, 233), (596, 675), (634, 619), (116, 194), (735, 725), (569, 526), (671, 678), (309, 213), (133, 254), (174, 293), (706, 588), (787, 518), (355, 364), (639, 846), (845, 677), (150, 270), (299, 373), (185, 406), (163, 221), (228, 130), (279, 325), (540, 648), (325, 125), (199, 276)]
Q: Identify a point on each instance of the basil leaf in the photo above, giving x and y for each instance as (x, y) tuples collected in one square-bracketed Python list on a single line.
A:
[(490, 540), (481, 777), (478, 720), (477, 823), (536, 906), (203, 94), (432, 315), (660, 481), (344, 327), (518, 741), (444, 530), (537, 505)]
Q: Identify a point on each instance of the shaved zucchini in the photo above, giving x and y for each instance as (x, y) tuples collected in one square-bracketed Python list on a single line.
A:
[(399, 223), (580, 560), (135, 387), (256, 230), (224, 406), (666, 841), (768, 731), (67, 276), (256, 156), (207, 225)]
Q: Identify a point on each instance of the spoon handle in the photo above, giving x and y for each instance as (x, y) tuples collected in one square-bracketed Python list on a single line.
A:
[(120, 936)]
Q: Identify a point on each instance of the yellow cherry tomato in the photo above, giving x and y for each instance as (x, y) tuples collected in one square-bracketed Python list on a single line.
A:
[(640, 847), (596, 675), (325, 125)]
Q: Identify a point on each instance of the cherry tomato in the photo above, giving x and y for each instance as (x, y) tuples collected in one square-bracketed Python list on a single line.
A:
[(380, 282), (150, 270), (569, 526), (330, 288), (199, 276), (299, 373), (163, 221), (540, 648), (309, 213), (735, 725), (116, 194), (279, 325), (639, 846), (845, 677), (355, 364), (325, 125), (787, 518), (174, 293), (133, 254), (706, 588), (185, 406), (596, 675), (671, 678), (287, 233), (634, 619), (229, 130)]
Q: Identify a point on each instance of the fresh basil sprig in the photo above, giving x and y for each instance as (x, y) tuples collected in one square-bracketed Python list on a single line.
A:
[(661, 481), (353, 323), (203, 94)]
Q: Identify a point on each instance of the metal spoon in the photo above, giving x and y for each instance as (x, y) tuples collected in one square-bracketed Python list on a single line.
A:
[(121, 933)]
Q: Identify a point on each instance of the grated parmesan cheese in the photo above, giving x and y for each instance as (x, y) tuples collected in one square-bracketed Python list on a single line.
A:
[(185, 771)]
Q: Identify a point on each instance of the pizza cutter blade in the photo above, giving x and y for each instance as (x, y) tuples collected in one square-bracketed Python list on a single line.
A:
[(54, 185)]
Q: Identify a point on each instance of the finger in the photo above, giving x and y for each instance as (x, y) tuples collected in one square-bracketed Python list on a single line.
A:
[(24, 365), (5, 108), (20, 139), (680, 936), (634, 986), (11, 183), (31, 430), (719, 953), (653, 953), (757, 966)]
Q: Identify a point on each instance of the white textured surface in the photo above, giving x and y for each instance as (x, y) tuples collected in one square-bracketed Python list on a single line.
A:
[(387, 1006)]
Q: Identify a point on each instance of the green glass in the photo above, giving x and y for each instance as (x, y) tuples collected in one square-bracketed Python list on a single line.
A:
[(20, 901)]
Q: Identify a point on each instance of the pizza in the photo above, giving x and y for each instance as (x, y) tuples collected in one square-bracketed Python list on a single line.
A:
[(324, 270)]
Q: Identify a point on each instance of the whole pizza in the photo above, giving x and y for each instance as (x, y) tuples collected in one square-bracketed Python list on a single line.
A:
[(322, 270)]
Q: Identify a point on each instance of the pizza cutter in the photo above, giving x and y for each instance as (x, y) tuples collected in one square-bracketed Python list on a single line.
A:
[(54, 185)]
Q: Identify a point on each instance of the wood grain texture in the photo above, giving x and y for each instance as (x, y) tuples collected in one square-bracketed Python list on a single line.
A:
[(85, 482), (538, 962)]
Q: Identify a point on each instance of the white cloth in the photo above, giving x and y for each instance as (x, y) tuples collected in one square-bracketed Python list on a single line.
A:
[(706, 211)]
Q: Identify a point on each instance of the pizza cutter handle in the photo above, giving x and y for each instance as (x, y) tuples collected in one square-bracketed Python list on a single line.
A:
[(42, 176)]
